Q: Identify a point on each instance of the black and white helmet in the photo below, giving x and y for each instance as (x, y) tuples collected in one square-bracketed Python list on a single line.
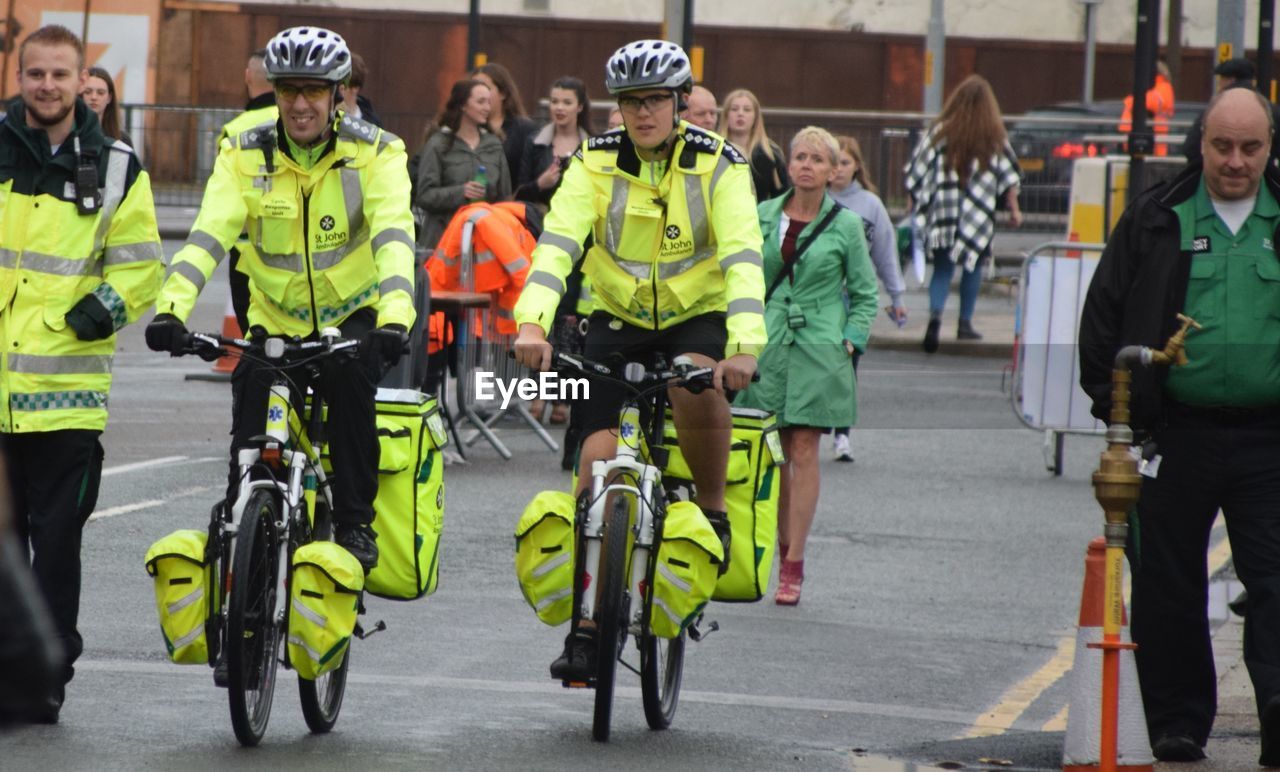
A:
[(648, 64), (308, 52)]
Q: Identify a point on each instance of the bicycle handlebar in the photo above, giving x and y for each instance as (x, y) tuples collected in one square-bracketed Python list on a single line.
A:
[(210, 346)]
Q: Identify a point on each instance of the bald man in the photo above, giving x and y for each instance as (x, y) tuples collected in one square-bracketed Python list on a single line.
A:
[(701, 110), (1202, 244)]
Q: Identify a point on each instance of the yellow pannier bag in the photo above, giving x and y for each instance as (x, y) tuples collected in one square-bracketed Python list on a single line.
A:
[(684, 575), (185, 594), (544, 555), (324, 598), (751, 498), (409, 508)]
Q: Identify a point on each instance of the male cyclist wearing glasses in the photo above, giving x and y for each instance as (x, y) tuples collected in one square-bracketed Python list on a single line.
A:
[(326, 202), (675, 268)]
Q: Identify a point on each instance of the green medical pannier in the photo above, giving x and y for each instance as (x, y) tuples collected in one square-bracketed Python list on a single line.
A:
[(186, 594), (324, 599), (409, 508), (685, 574), (751, 496), (544, 555)]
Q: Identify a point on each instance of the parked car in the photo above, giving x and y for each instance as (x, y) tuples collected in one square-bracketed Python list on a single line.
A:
[(1049, 139)]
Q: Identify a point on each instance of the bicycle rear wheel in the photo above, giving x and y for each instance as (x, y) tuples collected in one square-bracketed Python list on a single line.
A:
[(253, 636), (322, 697), (661, 670), (612, 606)]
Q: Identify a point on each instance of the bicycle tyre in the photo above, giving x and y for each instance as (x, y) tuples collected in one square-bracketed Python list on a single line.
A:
[(253, 637), (322, 697), (609, 613), (661, 671)]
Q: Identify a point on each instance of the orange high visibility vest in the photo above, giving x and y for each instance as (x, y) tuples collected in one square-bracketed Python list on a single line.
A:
[(500, 246)]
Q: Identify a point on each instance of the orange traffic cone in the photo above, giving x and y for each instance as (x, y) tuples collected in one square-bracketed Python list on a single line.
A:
[(1073, 236), (1082, 749), (230, 329)]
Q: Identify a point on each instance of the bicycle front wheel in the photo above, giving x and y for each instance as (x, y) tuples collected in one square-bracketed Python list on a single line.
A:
[(610, 610), (661, 670), (253, 636), (322, 697)]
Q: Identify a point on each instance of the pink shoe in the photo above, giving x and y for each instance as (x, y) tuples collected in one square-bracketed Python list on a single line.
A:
[(790, 577)]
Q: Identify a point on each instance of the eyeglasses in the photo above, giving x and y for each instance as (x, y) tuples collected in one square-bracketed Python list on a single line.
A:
[(313, 92), (651, 103)]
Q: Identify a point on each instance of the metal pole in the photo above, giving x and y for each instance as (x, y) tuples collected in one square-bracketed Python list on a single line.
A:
[(1266, 44), (677, 22), (1173, 43), (1090, 47), (935, 54), (1141, 138), (1230, 31), (473, 35), (10, 45)]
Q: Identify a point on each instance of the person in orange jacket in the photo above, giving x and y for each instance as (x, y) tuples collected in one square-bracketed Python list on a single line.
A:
[(1160, 104)]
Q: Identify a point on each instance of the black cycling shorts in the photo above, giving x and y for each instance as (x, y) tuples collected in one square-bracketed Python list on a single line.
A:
[(612, 341)]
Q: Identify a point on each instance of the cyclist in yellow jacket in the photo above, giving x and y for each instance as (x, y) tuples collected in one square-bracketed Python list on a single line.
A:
[(79, 259), (326, 202), (675, 268)]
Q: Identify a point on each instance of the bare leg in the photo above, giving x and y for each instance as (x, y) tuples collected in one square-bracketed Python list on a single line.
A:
[(704, 425), (798, 495)]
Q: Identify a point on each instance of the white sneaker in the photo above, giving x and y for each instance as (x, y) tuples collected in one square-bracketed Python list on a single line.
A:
[(841, 445)]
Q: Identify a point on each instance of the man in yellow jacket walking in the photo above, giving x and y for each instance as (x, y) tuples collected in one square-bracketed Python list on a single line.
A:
[(326, 202), (79, 259)]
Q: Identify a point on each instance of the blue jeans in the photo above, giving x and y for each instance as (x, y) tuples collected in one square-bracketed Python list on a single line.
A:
[(940, 285)]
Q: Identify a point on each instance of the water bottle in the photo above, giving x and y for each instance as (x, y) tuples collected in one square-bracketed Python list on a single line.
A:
[(481, 177)]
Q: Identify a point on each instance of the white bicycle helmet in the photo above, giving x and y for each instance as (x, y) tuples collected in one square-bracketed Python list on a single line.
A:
[(308, 52), (648, 64)]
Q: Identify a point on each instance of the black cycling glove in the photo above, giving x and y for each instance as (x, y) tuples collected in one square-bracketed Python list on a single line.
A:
[(166, 333), (90, 319), (383, 346)]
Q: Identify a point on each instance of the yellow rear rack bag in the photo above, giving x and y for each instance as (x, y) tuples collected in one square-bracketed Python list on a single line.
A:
[(185, 594), (544, 555)]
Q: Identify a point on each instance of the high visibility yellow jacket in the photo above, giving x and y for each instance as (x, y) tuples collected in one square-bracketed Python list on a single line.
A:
[(664, 250), (51, 257), (322, 243), (261, 109)]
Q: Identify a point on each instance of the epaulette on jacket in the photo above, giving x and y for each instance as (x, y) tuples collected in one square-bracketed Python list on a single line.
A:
[(733, 154), (261, 136), (610, 140), (357, 130), (700, 140)]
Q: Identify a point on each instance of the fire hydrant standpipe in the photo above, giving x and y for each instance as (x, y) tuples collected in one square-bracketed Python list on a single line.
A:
[(1116, 486)]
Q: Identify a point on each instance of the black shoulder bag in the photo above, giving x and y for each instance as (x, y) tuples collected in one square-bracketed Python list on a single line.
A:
[(791, 266)]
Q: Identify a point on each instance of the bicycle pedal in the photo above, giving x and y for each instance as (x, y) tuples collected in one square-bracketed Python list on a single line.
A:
[(362, 634), (696, 635), (577, 684)]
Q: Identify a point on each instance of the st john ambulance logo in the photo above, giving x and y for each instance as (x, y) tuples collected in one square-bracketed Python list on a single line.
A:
[(326, 222), (673, 232)]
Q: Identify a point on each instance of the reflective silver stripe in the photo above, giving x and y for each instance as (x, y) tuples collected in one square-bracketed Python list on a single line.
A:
[(669, 270), (61, 266), (301, 644), (395, 283), (667, 610), (189, 272), (209, 244), (697, 206), (722, 166), (112, 192), (617, 214), (392, 236), (477, 215), (323, 259), (745, 306), (640, 270), (746, 256), (676, 581), (187, 600), (8, 258), (547, 280), (552, 598), (561, 242), (89, 364), (551, 565), (291, 263), (484, 257), (353, 195), (132, 253), (190, 637), (517, 265), (312, 616)]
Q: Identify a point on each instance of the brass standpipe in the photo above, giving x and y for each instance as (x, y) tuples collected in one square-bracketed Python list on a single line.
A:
[(1116, 486)]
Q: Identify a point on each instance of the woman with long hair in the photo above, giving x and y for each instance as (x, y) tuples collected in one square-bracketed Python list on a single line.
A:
[(509, 121), (547, 153), (958, 173), (742, 123), (100, 95), (459, 153), (814, 253)]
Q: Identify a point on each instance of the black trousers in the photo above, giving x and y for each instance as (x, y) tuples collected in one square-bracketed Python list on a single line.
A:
[(1210, 460), (352, 434), (54, 479)]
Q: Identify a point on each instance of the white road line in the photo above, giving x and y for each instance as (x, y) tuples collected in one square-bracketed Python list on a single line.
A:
[(157, 462), (150, 503)]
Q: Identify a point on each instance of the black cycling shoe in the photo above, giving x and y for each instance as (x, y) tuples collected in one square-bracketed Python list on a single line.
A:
[(359, 540), (720, 523), (578, 662), (220, 677)]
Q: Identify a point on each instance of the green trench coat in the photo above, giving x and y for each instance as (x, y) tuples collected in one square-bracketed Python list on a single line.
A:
[(805, 376)]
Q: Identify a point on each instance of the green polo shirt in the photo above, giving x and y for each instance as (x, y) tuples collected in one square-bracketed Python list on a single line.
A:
[(1234, 293)]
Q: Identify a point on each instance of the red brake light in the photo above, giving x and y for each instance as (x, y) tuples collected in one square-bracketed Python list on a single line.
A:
[(1068, 150)]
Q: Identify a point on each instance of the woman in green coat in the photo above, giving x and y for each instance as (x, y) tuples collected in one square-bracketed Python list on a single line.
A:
[(813, 251)]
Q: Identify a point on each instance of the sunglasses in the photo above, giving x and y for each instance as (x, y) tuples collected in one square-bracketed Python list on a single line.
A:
[(313, 92), (651, 103)]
